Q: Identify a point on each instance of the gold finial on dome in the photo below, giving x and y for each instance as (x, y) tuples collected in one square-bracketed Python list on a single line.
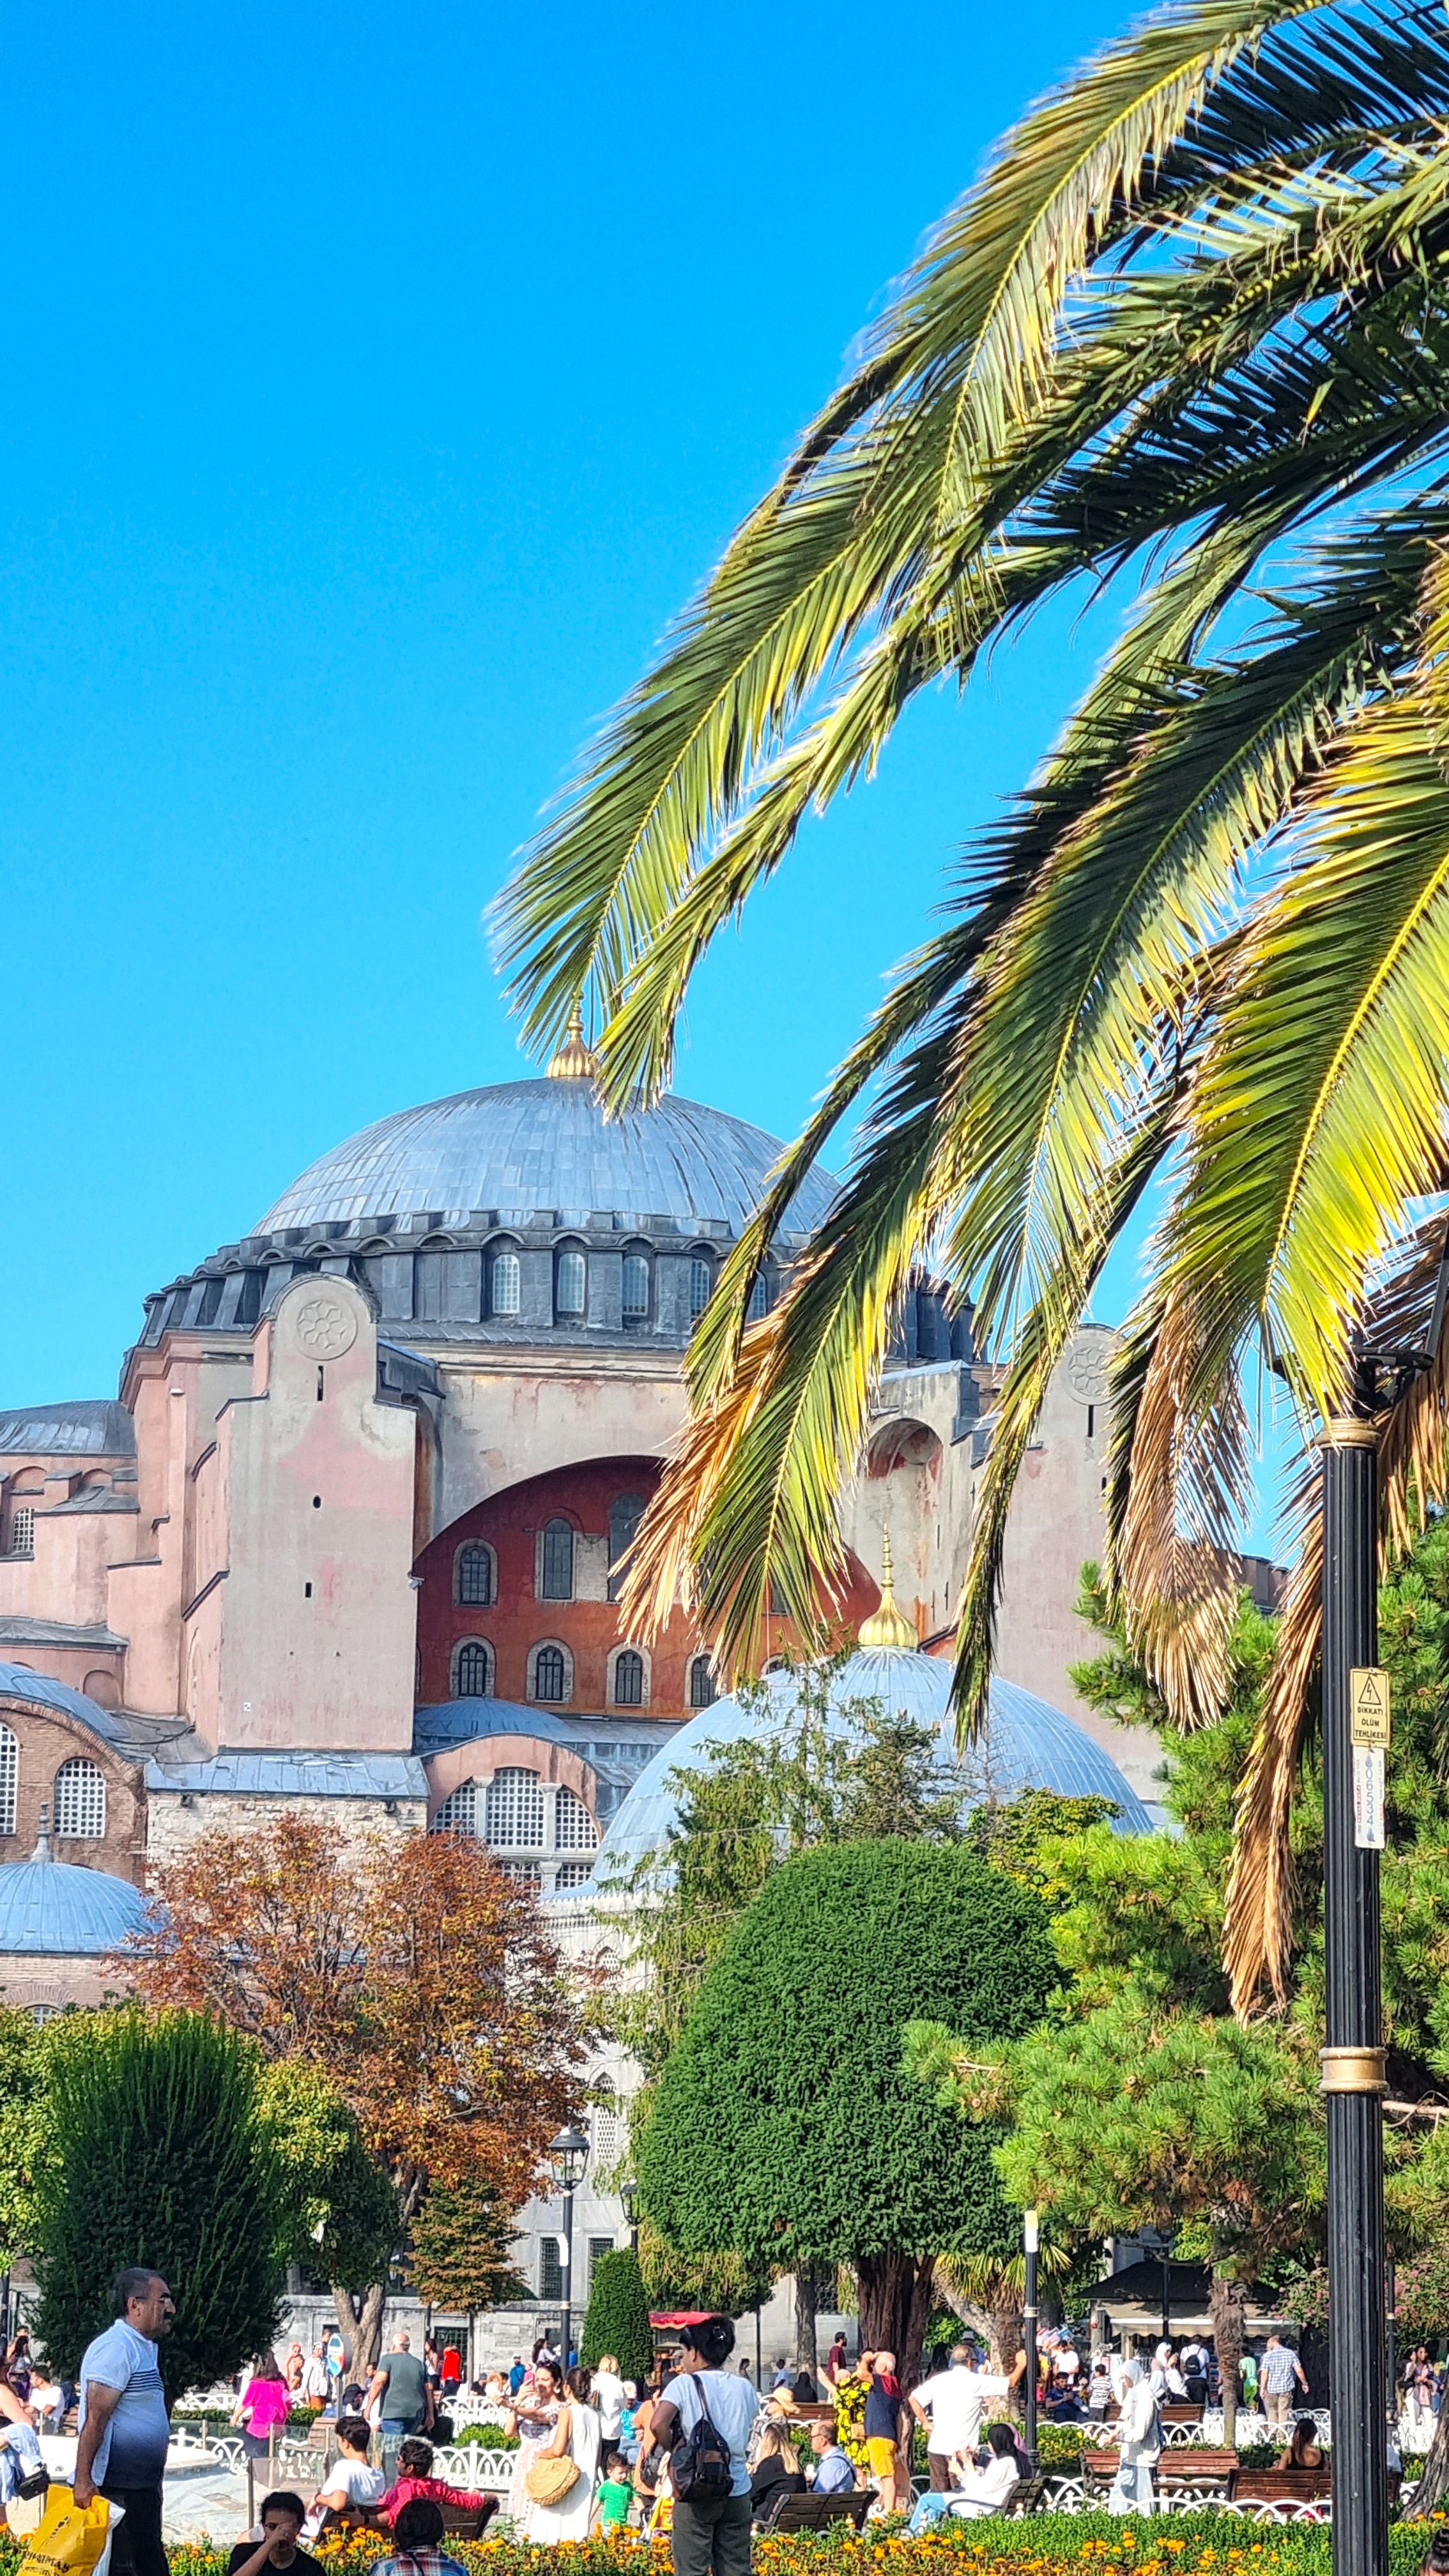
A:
[(574, 1061), (888, 1626)]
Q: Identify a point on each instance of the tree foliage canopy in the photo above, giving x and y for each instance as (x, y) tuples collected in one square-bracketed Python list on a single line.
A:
[(411, 1974), (158, 2154), (783, 2123), (618, 2316)]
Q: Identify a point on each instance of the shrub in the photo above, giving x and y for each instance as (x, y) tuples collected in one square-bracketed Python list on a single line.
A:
[(159, 2158), (618, 2317)]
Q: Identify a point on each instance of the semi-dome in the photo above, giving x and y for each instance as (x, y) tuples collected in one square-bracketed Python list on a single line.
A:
[(48, 1909), (1027, 1744), (520, 1146)]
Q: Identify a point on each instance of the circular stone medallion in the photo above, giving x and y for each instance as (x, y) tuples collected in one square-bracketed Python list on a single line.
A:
[(324, 1329)]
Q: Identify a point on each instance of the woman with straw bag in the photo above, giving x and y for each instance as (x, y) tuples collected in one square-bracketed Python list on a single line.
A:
[(560, 2478)]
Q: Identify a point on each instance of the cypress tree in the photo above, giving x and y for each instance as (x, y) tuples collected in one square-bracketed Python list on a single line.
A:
[(159, 2157), (618, 2317)]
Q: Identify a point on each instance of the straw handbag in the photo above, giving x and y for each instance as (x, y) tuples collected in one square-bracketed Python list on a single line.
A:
[(549, 2481)]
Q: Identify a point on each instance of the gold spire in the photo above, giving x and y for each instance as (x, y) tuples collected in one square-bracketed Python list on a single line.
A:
[(888, 1626), (574, 1061)]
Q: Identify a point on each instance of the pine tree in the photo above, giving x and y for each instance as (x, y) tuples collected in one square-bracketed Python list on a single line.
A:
[(618, 2317), (460, 2248), (159, 2158)]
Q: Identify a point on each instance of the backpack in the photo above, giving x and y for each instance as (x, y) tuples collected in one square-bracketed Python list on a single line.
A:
[(700, 2468)]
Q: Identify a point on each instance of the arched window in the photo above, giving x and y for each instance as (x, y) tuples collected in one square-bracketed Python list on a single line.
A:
[(636, 1287), (760, 1300), (513, 1812), (550, 1674), (458, 1813), (503, 1284), (701, 1683), (570, 1287), (472, 1670), (9, 1778), (626, 1511), (474, 1584), (80, 1800), (557, 1569), (573, 1826), (701, 1280), (628, 1678)]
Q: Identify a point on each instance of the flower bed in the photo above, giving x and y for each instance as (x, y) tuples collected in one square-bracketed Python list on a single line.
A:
[(1201, 2544)]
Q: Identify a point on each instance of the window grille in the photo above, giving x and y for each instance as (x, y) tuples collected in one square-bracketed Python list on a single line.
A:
[(550, 2268), (610, 2124), (505, 1283), (527, 1872), (9, 1778), (549, 1673), (571, 1289), (458, 1813), (475, 1577), (701, 1683), (471, 1671), (626, 1511), (701, 1281), (759, 1300), (22, 1530), (573, 1873), (628, 1679), (573, 1826), (80, 1800), (598, 2245), (513, 1812), (636, 1286), (558, 1562)]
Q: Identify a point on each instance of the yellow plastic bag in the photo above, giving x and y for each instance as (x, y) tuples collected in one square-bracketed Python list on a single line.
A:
[(71, 2539)]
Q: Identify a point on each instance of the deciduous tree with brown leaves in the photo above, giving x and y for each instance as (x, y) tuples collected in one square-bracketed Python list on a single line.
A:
[(407, 1968)]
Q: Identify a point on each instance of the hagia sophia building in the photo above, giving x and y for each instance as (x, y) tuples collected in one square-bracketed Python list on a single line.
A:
[(350, 1534), (349, 1539)]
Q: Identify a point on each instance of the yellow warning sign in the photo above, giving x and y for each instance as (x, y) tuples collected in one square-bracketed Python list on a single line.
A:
[(1368, 1705)]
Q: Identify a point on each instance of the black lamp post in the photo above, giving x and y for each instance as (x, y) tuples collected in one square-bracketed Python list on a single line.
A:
[(1031, 2239), (1354, 2079), (568, 2156), (629, 2196)]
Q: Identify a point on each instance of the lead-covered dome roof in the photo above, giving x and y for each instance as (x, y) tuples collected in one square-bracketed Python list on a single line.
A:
[(1027, 1744), (50, 1910), (519, 1147)]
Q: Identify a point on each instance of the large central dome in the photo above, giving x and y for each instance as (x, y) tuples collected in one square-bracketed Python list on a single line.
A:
[(524, 1146)]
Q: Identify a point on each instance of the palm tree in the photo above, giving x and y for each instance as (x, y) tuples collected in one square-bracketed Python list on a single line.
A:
[(1190, 333)]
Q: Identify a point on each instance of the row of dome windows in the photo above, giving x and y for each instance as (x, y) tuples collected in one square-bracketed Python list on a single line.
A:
[(442, 1294), (475, 1566), (78, 1792), (551, 1675)]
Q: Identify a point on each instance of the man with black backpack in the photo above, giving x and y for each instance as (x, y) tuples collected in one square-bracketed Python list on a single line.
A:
[(703, 2421)]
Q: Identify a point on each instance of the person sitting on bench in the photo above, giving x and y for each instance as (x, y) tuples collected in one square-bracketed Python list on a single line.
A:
[(983, 2491), (1303, 2451)]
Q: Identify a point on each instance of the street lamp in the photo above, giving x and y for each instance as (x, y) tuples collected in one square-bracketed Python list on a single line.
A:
[(568, 2156), (1031, 2239), (629, 2195), (1354, 2078)]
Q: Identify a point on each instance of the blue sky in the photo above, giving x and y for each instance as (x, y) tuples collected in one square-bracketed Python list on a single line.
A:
[(376, 383)]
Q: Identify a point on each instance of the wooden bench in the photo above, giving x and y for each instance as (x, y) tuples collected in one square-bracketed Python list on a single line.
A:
[(1028, 2497), (468, 2521), (817, 2512), (1297, 2486), (1181, 2410), (1184, 2468)]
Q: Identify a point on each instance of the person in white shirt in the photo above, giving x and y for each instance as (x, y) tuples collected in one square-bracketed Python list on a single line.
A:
[(981, 2491), (349, 2481), (314, 2376), (609, 2398), (1133, 2489), (710, 2536), (950, 2405)]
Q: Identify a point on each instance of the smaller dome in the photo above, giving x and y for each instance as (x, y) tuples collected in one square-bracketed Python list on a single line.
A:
[(1027, 1744), (50, 1909)]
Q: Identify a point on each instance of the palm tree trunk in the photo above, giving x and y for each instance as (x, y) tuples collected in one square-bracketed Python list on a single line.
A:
[(1227, 2305)]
